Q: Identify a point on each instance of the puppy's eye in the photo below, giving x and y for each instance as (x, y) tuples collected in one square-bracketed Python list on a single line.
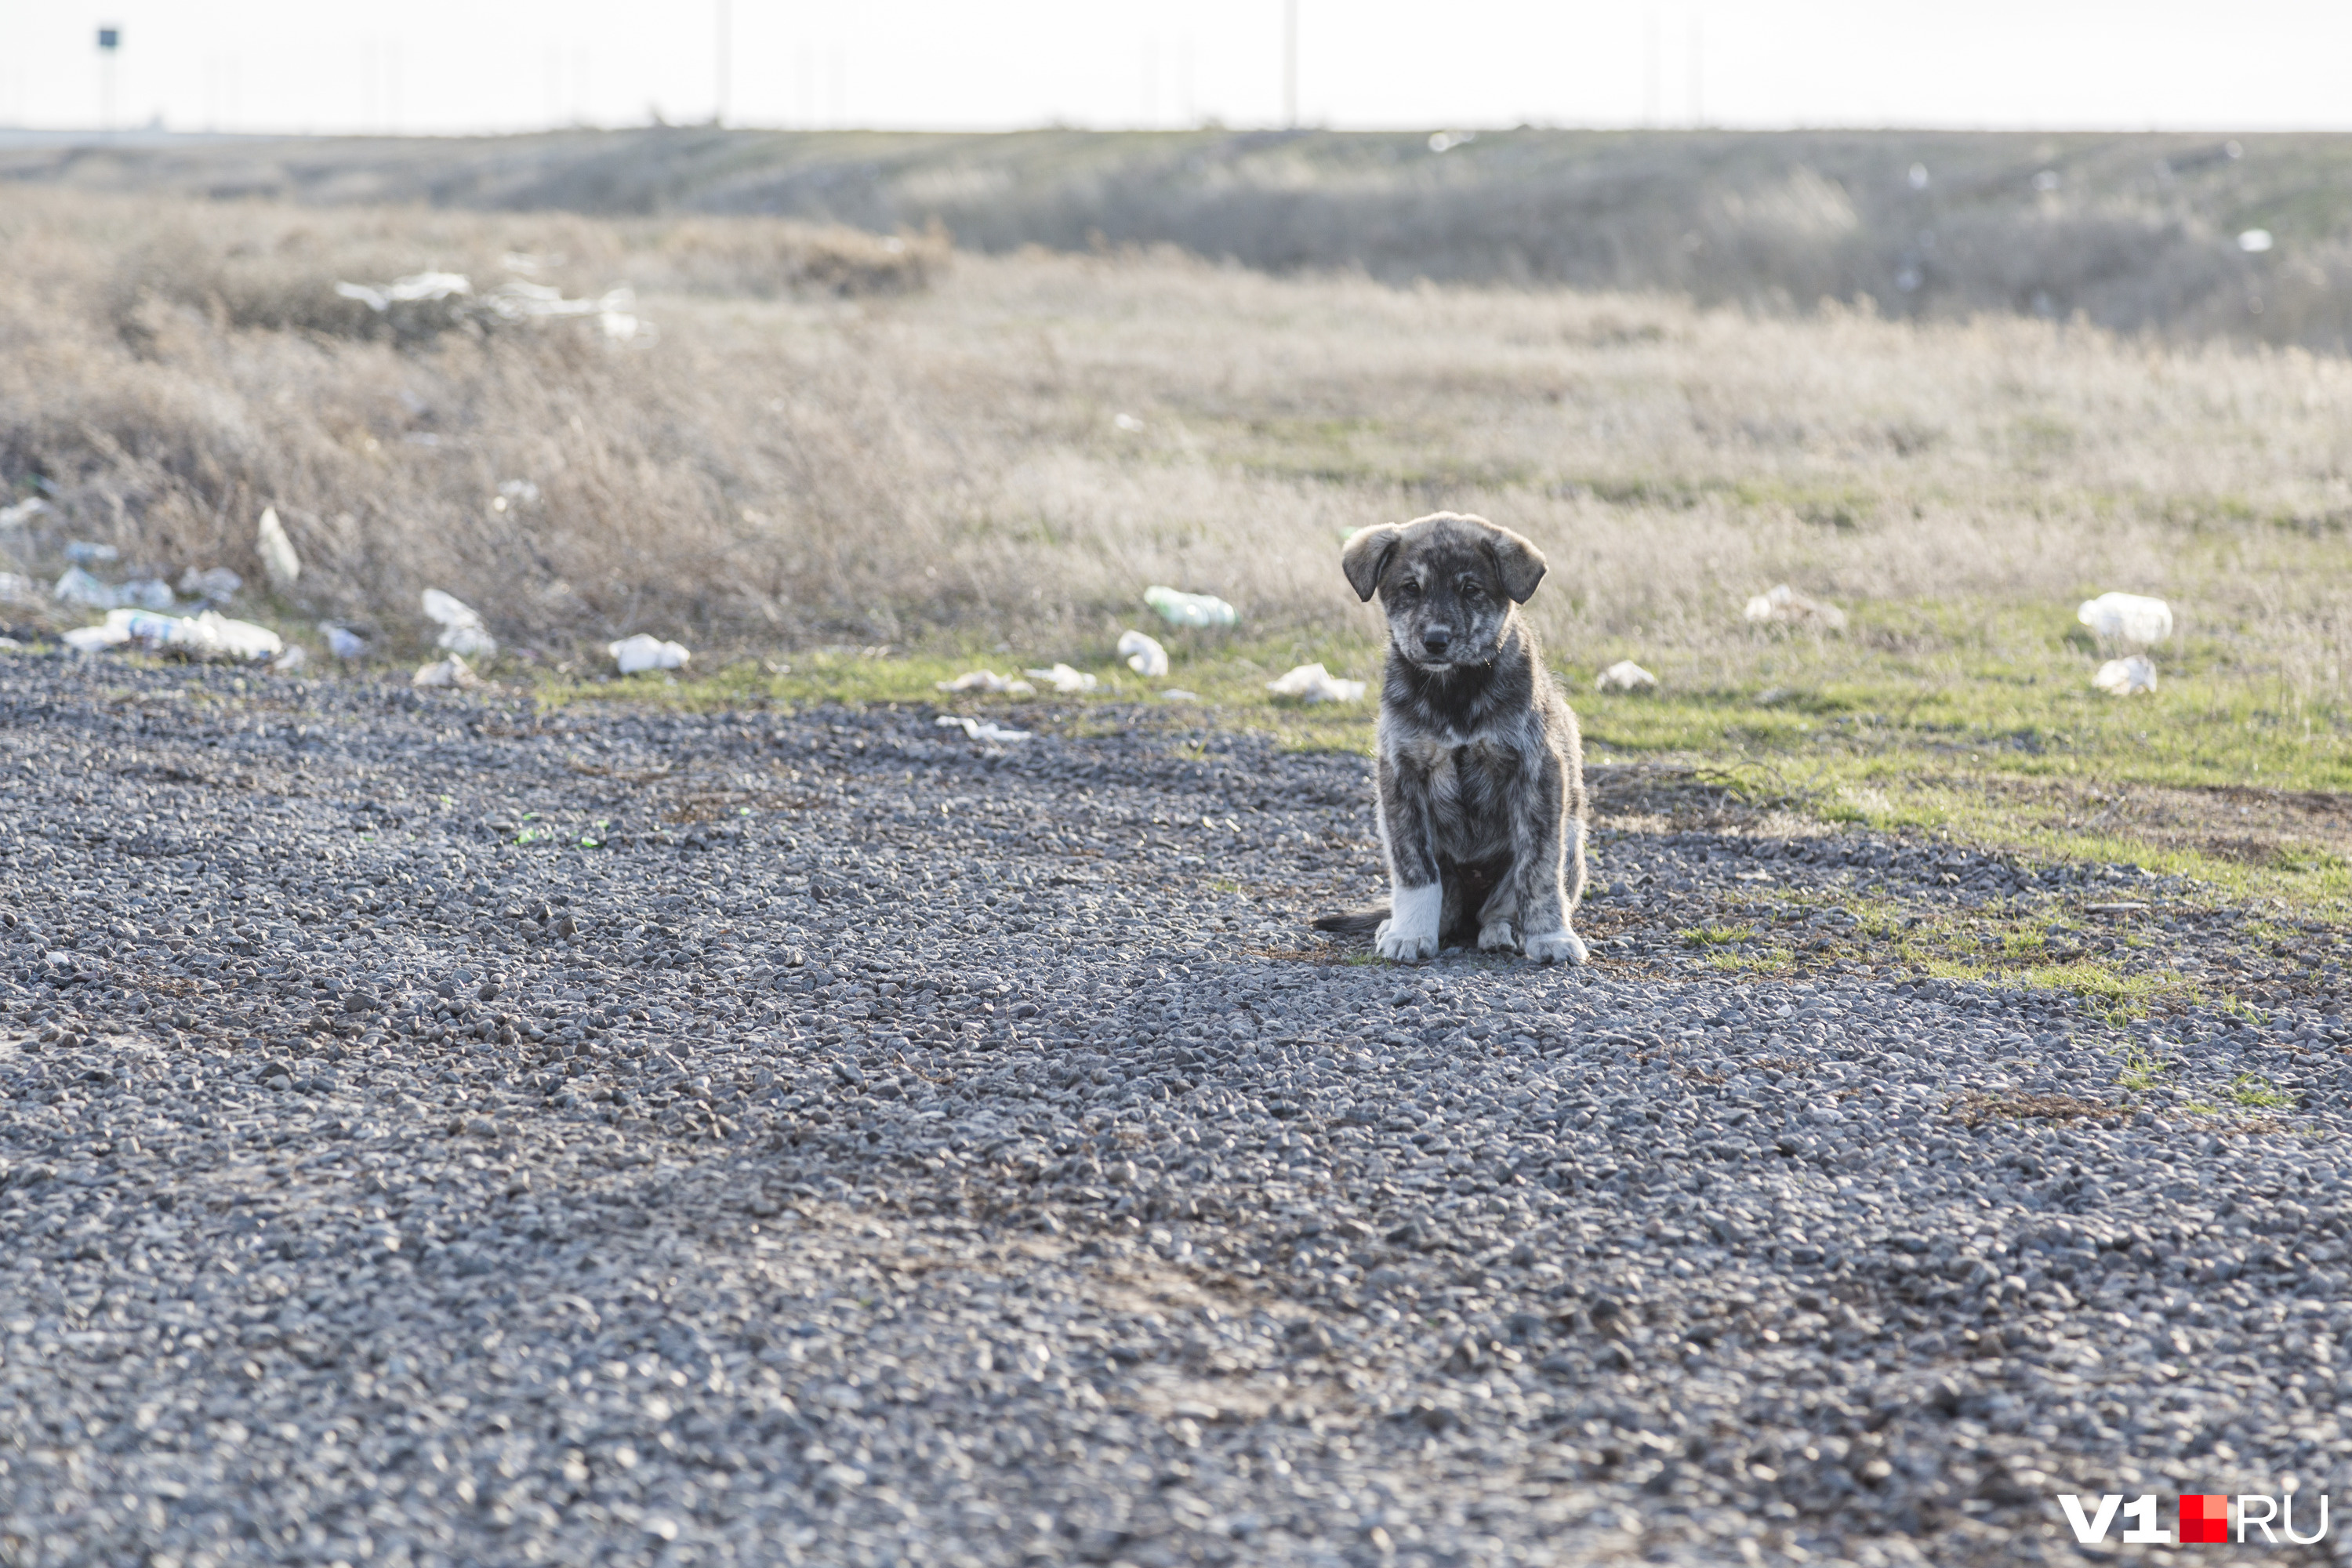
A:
[(1471, 592)]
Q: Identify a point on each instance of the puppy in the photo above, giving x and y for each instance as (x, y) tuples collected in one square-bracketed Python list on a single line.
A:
[(1481, 772)]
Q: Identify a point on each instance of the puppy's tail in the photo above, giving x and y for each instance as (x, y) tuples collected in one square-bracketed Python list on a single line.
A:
[(1354, 922)]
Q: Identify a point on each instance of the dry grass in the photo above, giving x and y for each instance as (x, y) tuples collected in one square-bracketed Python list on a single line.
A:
[(939, 458)]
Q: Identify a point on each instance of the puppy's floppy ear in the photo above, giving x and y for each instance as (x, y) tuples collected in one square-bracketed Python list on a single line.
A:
[(1519, 562), (1367, 556)]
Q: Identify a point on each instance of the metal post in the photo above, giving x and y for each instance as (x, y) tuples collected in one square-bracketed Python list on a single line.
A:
[(718, 95), (110, 40), (1290, 63)]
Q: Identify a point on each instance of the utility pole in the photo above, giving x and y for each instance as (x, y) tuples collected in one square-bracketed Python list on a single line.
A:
[(719, 82), (1290, 63), (110, 40)]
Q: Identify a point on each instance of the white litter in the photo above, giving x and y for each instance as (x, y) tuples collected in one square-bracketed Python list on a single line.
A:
[(84, 553), (278, 558), (213, 582), (2254, 241), (342, 641), (981, 728), (381, 297), (1127, 422), (208, 635), (1178, 694), (1064, 679), (986, 680), (2126, 677), (79, 587), (1144, 656), (462, 631), (1313, 683), (640, 653), (287, 663), (450, 671), (23, 513), (2126, 618), (1625, 676), (19, 589), (1190, 609), (1782, 606)]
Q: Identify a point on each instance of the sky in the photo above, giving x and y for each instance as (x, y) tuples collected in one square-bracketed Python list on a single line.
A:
[(449, 66)]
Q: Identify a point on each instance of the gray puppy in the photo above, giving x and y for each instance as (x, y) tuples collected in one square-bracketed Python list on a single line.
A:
[(1481, 772)]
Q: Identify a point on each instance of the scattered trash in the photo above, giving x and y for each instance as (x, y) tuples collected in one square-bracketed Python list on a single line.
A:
[(462, 631), (217, 582), (2254, 241), (1127, 422), (1178, 694), (987, 680), (516, 492), (1625, 676), (450, 671), (1144, 656), (23, 513), (208, 636), (1064, 679), (515, 303), (19, 589), (640, 653), (82, 553), (1190, 609), (412, 289), (10, 644), (981, 728), (277, 557), (1313, 683), (287, 663), (1783, 605), (2126, 677), (342, 641), (2126, 618), (95, 639), (80, 588)]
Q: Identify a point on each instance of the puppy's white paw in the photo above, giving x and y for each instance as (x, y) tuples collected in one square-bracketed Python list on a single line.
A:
[(1498, 935), (1403, 947), (1559, 947)]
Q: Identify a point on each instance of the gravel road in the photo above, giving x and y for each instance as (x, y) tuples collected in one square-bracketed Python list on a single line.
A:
[(432, 1131)]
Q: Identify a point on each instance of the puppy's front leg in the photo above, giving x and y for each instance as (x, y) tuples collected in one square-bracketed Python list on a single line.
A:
[(1543, 837), (1416, 898)]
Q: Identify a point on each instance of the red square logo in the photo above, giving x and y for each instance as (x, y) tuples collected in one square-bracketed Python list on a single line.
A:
[(2204, 1517)]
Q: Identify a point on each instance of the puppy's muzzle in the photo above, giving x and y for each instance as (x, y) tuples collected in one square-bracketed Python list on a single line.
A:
[(1435, 641)]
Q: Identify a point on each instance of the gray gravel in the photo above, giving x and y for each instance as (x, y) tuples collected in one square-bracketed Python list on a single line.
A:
[(435, 1133)]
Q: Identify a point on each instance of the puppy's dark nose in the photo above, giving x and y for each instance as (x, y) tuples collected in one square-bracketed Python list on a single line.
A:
[(1436, 638)]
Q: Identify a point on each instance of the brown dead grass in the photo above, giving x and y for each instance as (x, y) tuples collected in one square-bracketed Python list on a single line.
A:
[(830, 440)]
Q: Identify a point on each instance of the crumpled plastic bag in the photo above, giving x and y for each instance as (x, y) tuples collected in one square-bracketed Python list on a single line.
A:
[(1313, 683), (1190, 609), (1064, 679), (216, 582), (462, 632), (638, 654), (2126, 677), (987, 680), (1782, 606), (342, 641), (981, 728), (2126, 618), (278, 558), (77, 587), (208, 636), (1143, 655), (1625, 676), (448, 673)]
